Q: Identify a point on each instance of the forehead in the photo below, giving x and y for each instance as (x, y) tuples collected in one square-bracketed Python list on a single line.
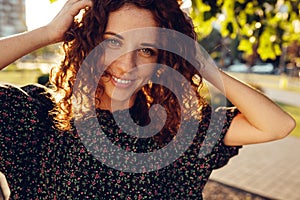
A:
[(135, 25), (130, 17)]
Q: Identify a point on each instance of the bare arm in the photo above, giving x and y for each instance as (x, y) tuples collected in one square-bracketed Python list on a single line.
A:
[(16, 46), (261, 120), (4, 189)]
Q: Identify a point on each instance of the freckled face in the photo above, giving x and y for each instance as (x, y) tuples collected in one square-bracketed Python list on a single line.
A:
[(130, 55)]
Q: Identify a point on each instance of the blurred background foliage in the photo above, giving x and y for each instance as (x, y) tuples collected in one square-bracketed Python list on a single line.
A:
[(260, 29)]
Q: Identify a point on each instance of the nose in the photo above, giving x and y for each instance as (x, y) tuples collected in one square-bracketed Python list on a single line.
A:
[(125, 63)]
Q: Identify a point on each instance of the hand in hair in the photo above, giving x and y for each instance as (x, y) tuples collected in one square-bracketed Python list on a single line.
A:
[(63, 20), (16, 46)]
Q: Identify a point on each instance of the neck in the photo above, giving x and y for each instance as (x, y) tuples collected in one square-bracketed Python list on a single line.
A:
[(112, 105)]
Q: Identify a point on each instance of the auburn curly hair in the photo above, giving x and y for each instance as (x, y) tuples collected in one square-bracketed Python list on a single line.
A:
[(85, 34)]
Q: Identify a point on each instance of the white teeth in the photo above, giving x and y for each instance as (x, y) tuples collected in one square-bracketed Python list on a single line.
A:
[(121, 81)]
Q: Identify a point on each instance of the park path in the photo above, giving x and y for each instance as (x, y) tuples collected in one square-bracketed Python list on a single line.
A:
[(269, 169)]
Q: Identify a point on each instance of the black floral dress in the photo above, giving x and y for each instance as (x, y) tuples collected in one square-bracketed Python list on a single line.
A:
[(41, 162)]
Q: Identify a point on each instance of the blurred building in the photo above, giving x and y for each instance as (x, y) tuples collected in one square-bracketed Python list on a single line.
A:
[(12, 17)]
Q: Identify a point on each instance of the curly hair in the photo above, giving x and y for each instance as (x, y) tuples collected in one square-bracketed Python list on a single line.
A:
[(85, 34)]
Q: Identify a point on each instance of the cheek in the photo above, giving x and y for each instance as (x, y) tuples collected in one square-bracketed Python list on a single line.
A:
[(110, 57), (150, 72), (147, 71), (101, 65)]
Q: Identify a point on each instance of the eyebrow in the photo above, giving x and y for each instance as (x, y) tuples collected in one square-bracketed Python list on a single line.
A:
[(149, 45), (114, 34)]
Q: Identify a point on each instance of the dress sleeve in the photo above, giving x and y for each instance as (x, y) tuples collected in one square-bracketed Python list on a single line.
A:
[(217, 153), (22, 125)]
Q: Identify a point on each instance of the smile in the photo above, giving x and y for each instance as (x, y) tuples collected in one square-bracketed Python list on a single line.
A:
[(121, 81)]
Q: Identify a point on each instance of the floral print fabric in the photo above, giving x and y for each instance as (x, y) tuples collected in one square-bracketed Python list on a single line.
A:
[(41, 162)]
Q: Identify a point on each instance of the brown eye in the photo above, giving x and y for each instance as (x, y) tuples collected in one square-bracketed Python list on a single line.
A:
[(146, 52)]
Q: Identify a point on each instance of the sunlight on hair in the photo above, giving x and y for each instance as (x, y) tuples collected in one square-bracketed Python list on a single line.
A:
[(78, 17)]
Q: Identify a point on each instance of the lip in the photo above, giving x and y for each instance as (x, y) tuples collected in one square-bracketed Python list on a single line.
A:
[(122, 82)]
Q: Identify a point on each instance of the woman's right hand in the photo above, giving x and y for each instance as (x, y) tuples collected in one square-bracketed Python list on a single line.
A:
[(16, 46), (4, 189), (63, 20)]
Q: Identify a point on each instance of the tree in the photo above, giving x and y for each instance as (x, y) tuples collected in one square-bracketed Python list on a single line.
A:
[(265, 27)]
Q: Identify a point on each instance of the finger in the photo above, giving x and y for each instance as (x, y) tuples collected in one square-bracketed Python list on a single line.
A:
[(84, 3), (5, 191), (81, 3), (74, 6)]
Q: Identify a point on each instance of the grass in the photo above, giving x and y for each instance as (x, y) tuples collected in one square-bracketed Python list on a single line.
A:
[(19, 78), (295, 112), (270, 81)]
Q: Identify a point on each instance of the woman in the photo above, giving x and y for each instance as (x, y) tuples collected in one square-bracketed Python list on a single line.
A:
[(52, 151)]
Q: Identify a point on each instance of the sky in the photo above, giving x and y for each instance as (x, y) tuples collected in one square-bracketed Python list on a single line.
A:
[(40, 12)]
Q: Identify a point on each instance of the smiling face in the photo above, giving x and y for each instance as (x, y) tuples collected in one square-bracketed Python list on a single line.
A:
[(130, 56)]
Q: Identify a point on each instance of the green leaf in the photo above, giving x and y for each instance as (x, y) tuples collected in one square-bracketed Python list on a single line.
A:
[(272, 23), (246, 46)]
